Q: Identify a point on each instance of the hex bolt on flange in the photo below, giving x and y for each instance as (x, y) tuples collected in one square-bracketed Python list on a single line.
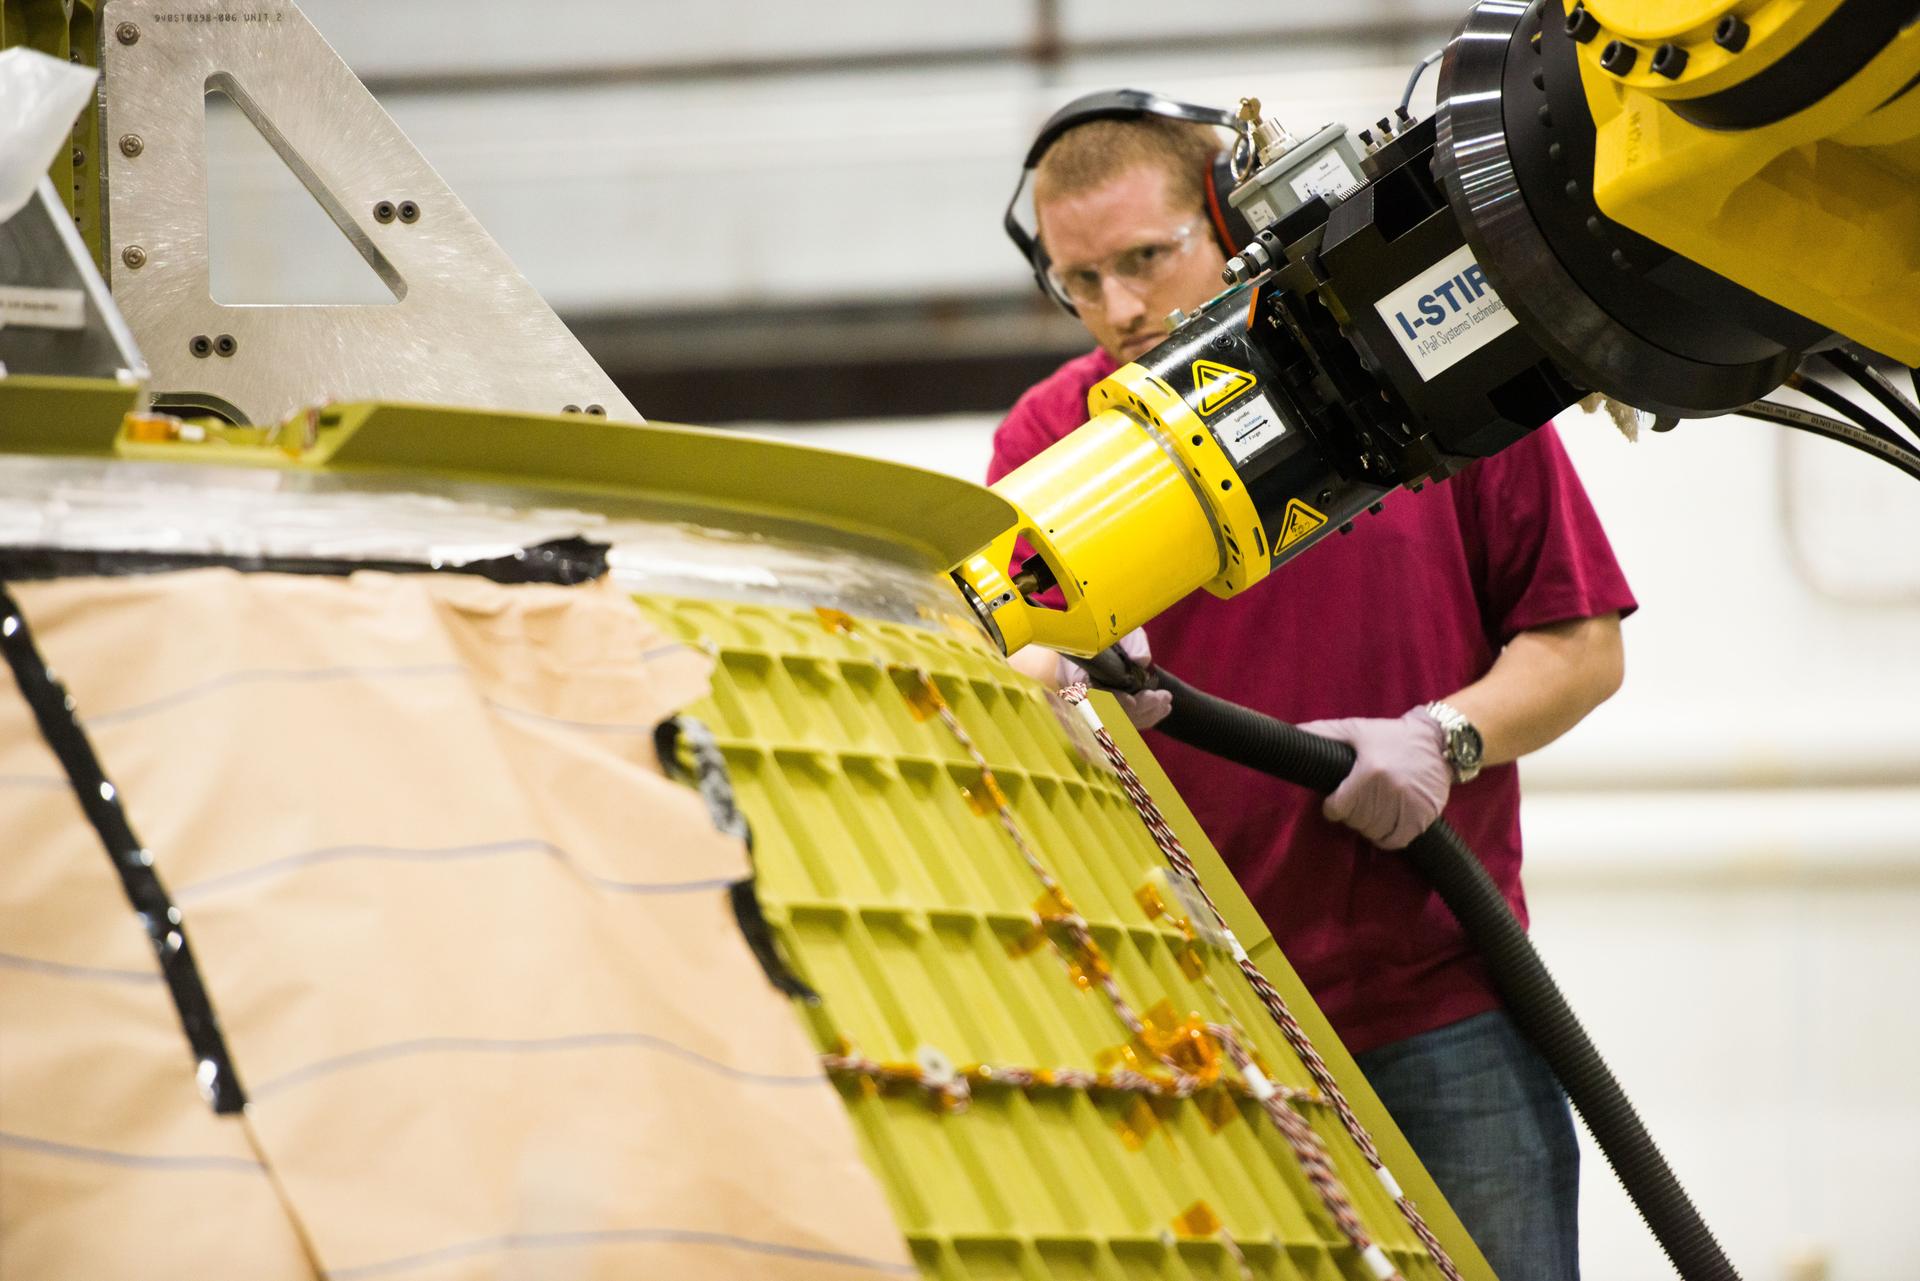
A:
[(1581, 25), (1669, 60), (1619, 57)]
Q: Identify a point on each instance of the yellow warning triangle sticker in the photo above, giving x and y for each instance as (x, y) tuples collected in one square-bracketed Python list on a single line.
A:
[(1299, 521), (1216, 384)]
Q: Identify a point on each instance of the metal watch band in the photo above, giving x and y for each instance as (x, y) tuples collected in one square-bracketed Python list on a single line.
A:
[(1462, 737)]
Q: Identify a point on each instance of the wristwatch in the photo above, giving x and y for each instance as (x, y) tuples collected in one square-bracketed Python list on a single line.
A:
[(1463, 740)]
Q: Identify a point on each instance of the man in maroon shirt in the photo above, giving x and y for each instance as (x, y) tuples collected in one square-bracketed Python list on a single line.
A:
[(1494, 598)]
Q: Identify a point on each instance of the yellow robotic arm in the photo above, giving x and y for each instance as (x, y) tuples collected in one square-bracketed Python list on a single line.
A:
[(1777, 144), (1671, 202)]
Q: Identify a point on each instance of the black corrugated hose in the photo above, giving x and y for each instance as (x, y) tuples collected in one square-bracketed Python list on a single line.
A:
[(1533, 1001)]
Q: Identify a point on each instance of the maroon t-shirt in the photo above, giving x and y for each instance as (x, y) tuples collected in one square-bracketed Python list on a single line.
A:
[(1412, 606)]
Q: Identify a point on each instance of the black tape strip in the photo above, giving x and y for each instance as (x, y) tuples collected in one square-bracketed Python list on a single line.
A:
[(563, 561), (100, 800), (709, 775), (759, 935)]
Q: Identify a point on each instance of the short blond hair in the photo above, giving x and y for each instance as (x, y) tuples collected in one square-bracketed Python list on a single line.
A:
[(1088, 155)]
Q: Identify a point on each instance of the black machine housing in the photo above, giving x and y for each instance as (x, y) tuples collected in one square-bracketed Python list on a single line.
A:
[(1362, 415), (1465, 292)]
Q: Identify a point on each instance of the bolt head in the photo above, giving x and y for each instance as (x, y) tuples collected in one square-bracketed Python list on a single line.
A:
[(409, 211), (1581, 25), (134, 256), (79, 157), (1669, 60), (383, 212), (1732, 33), (131, 144), (225, 345), (127, 33), (201, 346), (1619, 57)]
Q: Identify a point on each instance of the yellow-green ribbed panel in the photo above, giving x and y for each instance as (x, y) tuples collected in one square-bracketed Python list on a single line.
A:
[(898, 902)]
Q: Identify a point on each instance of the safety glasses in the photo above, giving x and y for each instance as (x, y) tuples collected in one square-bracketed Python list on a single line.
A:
[(1138, 267)]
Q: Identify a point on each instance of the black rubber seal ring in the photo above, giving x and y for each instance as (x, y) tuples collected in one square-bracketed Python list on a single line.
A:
[(1853, 34), (100, 801)]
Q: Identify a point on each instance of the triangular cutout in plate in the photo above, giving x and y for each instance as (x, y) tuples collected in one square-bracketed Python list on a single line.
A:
[(269, 238)]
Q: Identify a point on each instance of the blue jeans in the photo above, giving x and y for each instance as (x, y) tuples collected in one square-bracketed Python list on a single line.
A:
[(1486, 1117)]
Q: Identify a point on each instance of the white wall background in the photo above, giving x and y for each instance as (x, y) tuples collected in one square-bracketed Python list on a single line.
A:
[(1724, 861)]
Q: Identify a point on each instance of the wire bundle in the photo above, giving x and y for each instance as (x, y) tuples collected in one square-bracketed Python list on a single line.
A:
[(1181, 1053), (1270, 998), (1858, 427)]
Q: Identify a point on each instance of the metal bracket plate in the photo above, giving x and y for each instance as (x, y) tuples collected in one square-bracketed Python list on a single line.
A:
[(467, 328)]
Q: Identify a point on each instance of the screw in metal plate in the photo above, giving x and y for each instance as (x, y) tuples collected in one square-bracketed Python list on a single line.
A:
[(598, 410), (79, 157), (383, 212), (409, 212), (134, 256), (569, 409), (127, 33), (131, 145), (201, 346), (225, 345)]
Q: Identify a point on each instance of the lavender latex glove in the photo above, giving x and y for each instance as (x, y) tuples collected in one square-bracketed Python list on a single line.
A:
[(1400, 777), (1145, 709)]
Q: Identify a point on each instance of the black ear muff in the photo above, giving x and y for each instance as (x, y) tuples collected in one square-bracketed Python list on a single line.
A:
[(1230, 227), (1122, 104)]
